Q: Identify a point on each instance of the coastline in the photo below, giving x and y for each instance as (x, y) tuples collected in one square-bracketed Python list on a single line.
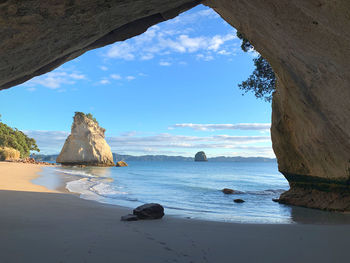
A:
[(69, 229), (18, 177)]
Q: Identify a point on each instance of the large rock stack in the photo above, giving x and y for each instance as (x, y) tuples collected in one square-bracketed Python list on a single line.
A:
[(86, 145)]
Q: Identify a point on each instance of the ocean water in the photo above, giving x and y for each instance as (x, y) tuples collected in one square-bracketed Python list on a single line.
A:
[(192, 190)]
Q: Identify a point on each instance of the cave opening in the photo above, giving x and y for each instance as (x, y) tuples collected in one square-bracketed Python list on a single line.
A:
[(179, 78)]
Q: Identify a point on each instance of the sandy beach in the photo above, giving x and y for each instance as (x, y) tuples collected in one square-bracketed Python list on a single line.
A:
[(39, 225)]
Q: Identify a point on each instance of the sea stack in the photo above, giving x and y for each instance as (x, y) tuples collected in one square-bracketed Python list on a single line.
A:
[(200, 157), (86, 145)]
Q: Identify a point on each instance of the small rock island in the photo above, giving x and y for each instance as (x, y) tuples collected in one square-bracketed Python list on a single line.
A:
[(200, 157), (86, 145)]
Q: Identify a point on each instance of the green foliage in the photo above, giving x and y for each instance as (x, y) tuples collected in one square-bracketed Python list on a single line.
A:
[(263, 80), (16, 139), (88, 115)]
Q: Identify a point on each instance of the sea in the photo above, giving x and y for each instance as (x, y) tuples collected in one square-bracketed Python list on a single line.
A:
[(191, 190)]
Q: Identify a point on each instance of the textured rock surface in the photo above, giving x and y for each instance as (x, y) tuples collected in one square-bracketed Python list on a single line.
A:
[(37, 36), (121, 164), (9, 154), (200, 157), (149, 211), (86, 145), (306, 42), (228, 191)]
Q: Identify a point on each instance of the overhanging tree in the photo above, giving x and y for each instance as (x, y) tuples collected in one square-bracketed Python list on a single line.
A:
[(262, 81)]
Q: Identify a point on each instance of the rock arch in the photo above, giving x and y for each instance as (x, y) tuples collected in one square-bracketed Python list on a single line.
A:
[(306, 42)]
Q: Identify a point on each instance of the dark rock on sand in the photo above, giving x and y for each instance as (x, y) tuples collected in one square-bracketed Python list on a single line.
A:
[(149, 211), (228, 191), (200, 157), (129, 217), (238, 201)]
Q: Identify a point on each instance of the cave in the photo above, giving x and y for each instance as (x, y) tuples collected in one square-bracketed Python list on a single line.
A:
[(306, 43)]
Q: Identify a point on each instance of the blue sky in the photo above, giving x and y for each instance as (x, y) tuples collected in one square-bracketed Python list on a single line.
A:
[(172, 90)]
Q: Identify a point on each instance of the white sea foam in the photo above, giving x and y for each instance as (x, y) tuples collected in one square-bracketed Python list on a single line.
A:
[(105, 190), (75, 172), (93, 189), (82, 187)]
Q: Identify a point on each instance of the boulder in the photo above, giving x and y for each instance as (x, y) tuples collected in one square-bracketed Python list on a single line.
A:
[(86, 145), (149, 211), (200, 157), (121, 164), (238, 201), (228, 191)]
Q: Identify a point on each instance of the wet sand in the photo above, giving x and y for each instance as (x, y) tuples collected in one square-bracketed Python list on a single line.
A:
[(42, 226)]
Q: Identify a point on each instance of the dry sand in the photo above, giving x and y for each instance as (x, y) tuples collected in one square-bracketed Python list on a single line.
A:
[(18, 176), (39, 226)]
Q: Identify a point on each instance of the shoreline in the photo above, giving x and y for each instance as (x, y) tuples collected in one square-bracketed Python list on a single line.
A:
[(67, 228), (298, 215), (18, 177)]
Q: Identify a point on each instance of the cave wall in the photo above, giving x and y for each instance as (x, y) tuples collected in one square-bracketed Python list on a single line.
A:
[(308, 46), (306, 42), (38, 36)]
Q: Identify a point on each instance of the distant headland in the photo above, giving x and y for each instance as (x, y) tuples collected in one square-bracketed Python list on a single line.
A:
[(164, 158)]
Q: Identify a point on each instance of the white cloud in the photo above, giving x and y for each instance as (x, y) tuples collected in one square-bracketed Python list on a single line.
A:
[(204, 57), (147, 56), (49, 142), (116, 76), (104, 81), (130, 78), (56, 79), (176, 36), (77, 76), (122, 50), (165, 63), (212, 127), (163, 44), (104, 68)]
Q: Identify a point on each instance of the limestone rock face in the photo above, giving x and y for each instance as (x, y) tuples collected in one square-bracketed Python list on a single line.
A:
[(9, 154), (200, 157), (306, 43), (86, 145)]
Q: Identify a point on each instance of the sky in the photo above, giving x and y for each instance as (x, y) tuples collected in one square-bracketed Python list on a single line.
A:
[(172, 90)]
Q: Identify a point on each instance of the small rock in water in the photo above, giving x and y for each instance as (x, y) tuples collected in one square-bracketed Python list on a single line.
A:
[(276, 199), (121, 164), (228, 191), (129, 217), (238, 201), (149, 211)]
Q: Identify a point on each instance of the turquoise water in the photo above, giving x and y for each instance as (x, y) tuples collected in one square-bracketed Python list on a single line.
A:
[(192, 189)]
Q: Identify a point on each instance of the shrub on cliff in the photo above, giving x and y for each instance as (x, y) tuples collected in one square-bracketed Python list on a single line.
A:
[(88, 115), (263, 80), (16, 139)]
